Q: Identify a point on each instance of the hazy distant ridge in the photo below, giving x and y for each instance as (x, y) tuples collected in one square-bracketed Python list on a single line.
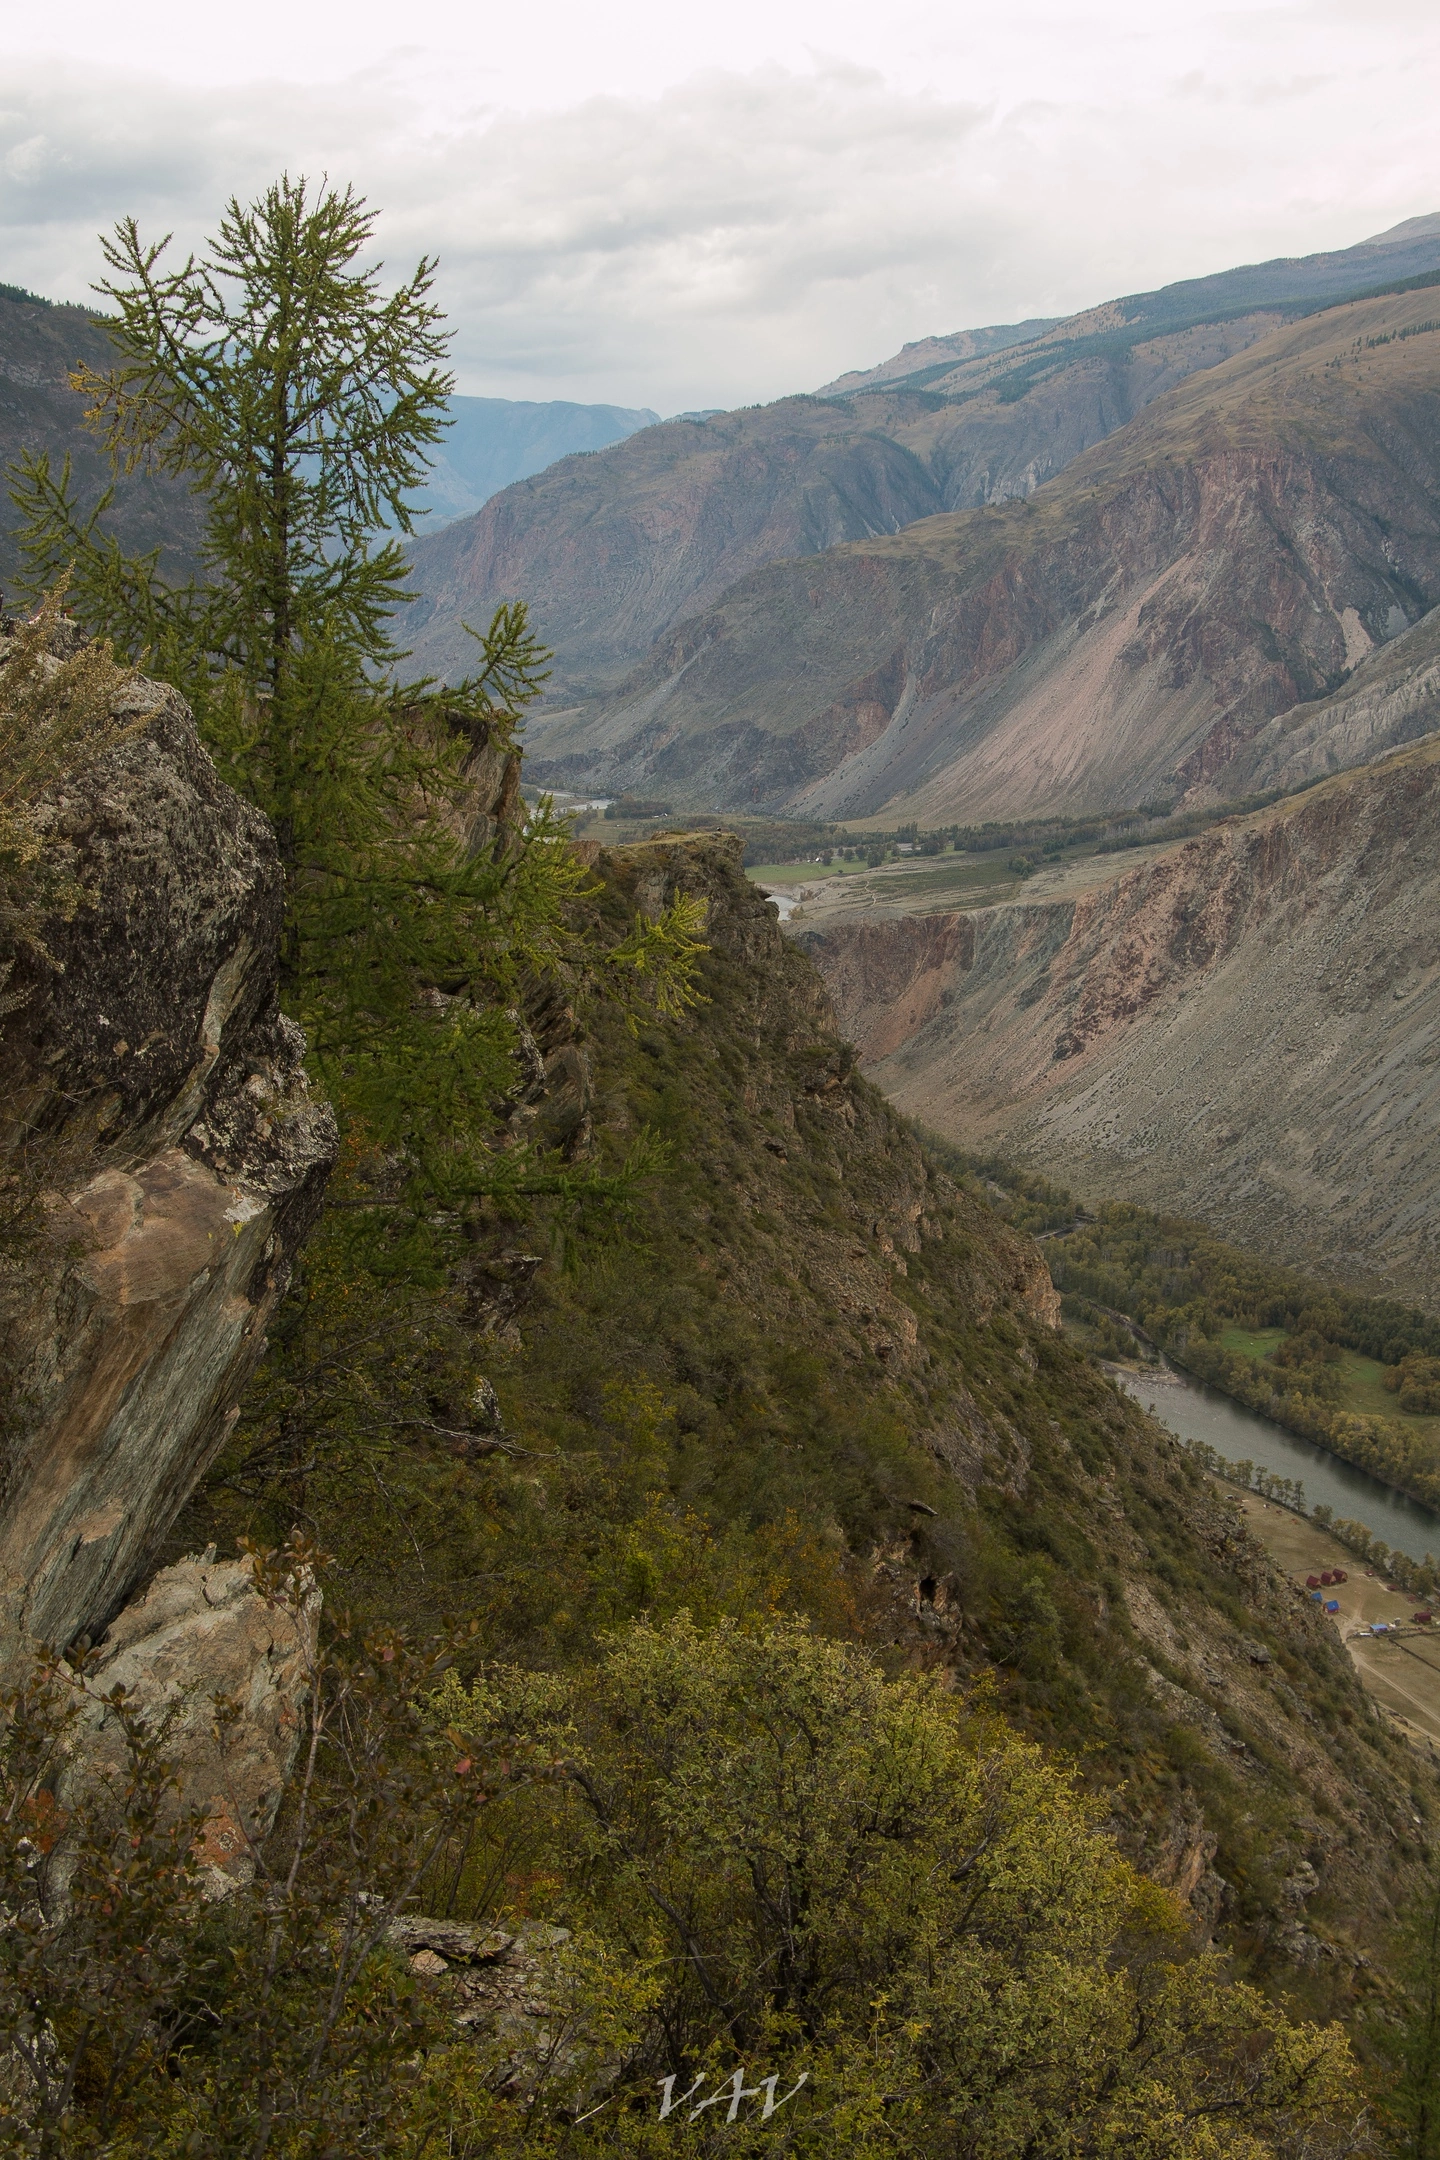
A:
[(1408, 250), (494, 442)]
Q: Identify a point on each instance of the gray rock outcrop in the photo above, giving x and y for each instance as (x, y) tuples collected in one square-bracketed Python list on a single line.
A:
[(203, 1631), (146, 1068)]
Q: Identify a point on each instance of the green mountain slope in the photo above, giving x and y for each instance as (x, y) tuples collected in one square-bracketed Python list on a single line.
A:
[(813, 1374)]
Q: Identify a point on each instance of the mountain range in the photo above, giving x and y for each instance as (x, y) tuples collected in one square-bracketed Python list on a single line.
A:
[(1121, 635), (825, 605)]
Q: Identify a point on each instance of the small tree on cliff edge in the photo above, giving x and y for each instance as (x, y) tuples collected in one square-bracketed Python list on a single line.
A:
[(300, 402)]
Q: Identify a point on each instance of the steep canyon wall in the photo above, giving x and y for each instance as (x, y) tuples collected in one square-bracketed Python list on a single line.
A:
[(1246, 1029)]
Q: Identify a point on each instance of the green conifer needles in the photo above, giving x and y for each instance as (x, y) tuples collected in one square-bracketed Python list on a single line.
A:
[(300, 400), (297, 399)]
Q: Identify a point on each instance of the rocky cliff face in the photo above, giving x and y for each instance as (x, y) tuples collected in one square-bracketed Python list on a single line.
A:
[(1127, 632), (1243, 1029), (154, 1091), (1392, 698)]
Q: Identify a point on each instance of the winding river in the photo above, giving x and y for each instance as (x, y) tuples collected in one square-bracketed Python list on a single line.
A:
[(1196, 1412)]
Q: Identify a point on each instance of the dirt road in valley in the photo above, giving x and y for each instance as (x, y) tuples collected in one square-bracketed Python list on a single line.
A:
[(1403, 1675)]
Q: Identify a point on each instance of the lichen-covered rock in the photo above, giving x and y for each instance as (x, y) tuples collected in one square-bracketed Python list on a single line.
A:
[(203, 1631), (147, 1063)]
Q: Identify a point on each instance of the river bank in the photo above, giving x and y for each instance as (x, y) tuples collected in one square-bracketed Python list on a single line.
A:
[(1401, 1672), (1194, 1411)]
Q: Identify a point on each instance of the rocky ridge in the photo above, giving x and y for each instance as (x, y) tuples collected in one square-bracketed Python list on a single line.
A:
[(832, 1333)]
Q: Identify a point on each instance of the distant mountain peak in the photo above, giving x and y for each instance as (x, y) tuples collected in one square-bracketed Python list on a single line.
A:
[(493, 442)]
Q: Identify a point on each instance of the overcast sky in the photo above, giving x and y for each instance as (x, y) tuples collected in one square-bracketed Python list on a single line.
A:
[(679, 206)]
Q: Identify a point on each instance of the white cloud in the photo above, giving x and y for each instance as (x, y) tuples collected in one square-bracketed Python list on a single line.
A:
[(696, 233)]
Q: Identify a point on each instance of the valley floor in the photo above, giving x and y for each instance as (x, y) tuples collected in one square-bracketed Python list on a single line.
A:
[(811, 898), (1402, 1674)]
